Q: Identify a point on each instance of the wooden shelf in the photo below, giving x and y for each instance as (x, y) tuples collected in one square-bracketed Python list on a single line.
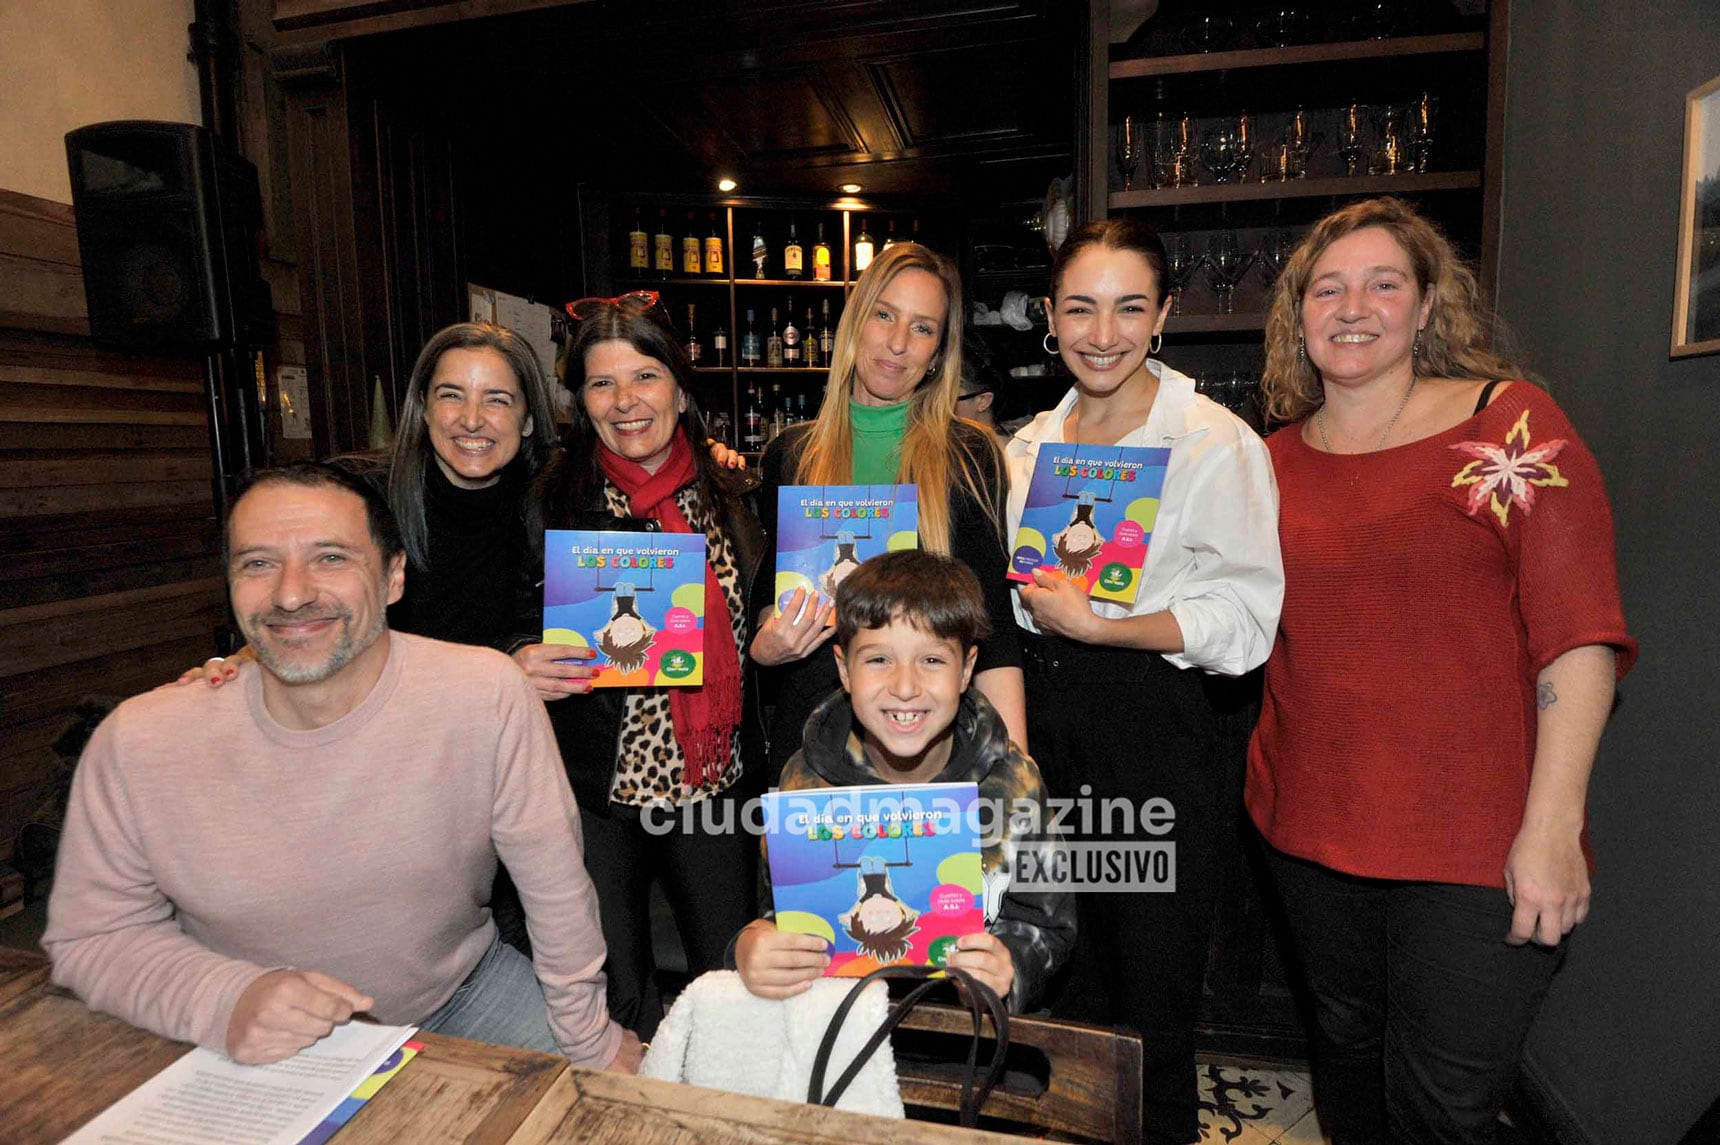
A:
[(1349, 186), (782, 369), (790, 283), (1214, 323), (650, 283), (1297, 55)]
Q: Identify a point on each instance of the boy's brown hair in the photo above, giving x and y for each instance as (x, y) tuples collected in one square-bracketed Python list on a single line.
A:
[(934, 594)]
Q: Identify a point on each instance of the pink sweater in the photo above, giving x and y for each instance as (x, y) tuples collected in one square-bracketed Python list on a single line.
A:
[(206, 844)]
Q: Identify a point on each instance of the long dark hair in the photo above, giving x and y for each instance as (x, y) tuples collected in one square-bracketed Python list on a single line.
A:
[(1125, 232), (575, 482), (412, 448)]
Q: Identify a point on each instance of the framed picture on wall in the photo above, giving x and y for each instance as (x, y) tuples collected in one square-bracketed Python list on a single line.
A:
[(1696, 307)]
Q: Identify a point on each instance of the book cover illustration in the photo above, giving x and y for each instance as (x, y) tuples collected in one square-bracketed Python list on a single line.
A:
[(886, 873), (1089, 515), (366, 1090), (637, 598), (825, 531)]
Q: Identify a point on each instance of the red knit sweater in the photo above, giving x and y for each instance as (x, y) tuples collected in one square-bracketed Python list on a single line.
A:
[(1426, 586)]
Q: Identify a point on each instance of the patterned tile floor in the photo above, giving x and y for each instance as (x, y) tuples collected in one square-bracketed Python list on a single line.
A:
[(1243, 1104)]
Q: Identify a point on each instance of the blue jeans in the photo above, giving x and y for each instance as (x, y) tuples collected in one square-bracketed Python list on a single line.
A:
[(499, 1002)]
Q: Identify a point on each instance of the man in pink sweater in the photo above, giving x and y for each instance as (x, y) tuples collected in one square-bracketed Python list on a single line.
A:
[(247, 867)]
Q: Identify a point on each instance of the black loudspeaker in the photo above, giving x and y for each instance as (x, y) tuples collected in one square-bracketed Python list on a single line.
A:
[(167, 220)]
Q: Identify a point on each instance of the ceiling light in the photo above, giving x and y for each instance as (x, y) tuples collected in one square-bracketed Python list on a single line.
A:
[(852, 188), (725, 184)]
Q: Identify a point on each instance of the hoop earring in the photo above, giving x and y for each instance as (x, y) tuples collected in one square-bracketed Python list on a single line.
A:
[(932, 367), (1415, 350), (1155, 344), (1047, 343)]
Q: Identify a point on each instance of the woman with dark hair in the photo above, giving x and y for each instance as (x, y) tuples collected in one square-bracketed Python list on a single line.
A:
[(1450, 638), (889, 417), (1120, 706), (638, 757)]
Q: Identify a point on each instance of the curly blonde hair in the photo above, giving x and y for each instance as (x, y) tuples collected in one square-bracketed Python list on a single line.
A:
[(1456, 343)]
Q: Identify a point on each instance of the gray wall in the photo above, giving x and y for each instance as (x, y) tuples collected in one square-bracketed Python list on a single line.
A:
[(1628, 1046)]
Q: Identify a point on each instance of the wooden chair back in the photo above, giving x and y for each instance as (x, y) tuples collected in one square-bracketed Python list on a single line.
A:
[(1061, 1077)]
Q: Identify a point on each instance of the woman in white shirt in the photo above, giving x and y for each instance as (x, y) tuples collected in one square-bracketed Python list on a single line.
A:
[(1118, 708)]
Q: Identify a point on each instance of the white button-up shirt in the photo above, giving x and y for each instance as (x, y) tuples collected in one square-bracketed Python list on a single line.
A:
[(1213, 558)]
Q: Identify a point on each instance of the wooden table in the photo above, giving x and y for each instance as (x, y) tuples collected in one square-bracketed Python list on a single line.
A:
[(61, 1064)]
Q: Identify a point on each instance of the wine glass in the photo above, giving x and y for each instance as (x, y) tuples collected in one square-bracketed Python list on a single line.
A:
[(1353, 137), (1274, 253), (1245, 145), (1209, 33), (1422, 117), (1226, 263), (1180, 265), (1219, 153), (1300, 144), (1129, 151), (1390, 158)]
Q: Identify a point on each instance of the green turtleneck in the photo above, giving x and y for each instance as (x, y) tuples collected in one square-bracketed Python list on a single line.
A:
[(878, 434)]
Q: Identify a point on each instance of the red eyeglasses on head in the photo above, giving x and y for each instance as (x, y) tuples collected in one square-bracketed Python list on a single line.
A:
[(637, 301)]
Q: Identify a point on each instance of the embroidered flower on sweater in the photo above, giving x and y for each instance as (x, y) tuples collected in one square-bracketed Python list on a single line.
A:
[(1505, 475)]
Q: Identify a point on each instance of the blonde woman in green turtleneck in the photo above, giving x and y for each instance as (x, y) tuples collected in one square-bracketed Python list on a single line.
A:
[(889, 417)]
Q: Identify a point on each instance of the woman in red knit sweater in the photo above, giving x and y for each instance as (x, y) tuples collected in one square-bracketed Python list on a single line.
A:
[(1445, 663)]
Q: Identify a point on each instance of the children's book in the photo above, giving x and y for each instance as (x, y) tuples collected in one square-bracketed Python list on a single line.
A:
[(1089, 516), (638, 598), (366, 1090), (825, 531), (886, 873)]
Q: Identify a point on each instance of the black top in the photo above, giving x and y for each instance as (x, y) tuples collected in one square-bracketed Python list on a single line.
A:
[(478, 555), (796, 689)]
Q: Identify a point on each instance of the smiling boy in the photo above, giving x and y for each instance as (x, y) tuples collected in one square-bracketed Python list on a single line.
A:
[(907, 628)]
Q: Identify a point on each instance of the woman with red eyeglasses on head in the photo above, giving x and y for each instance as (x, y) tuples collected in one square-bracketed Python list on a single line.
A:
[(635, 458), (889, 417)]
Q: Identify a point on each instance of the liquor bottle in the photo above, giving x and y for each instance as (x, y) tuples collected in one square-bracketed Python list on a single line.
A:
[(863, 249), (752, 432), (914, 232), (773, 344), (791, 256), (800, 406), (714, 249), (778, 412), (638, 248), (692, 255), (749, 343), (695, 351), (890, 236), (821, 258), (813, 351), (826, 336), (663, 246), (790, 338), (720, 345), (760, 253)]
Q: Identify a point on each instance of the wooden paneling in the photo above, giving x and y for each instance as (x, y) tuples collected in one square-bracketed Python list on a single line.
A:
[(109, 568)]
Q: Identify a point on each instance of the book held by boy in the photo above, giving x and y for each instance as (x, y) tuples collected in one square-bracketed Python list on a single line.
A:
[(886, 873), (637, 598), (1089, 516), (824, 532), (206, 1096)]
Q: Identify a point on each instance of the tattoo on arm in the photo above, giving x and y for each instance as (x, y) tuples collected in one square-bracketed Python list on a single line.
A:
[(1545, 696)]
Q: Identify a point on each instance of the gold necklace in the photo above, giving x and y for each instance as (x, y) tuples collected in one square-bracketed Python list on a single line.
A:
[(1326, 442)]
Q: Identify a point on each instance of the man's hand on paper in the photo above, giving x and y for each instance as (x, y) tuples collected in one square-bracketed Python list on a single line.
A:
[(286, 1010), (628, 1055)]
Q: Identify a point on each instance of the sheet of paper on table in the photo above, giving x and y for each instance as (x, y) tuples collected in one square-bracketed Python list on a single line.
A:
[(207, 1097)]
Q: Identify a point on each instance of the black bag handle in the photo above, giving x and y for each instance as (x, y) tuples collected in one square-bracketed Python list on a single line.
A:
[(981, 999)]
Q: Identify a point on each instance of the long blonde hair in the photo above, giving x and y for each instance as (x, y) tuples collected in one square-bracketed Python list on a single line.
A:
[(932, 457), (1456, 343)]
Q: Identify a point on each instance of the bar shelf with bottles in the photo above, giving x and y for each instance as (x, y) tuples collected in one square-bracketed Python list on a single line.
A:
[(778, 269)]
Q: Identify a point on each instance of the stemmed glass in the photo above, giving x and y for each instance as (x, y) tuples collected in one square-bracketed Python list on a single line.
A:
[(1129, 151), (1274, 253), (1180, 265), (1353, 137), (1299, 145), (1226, 263), (1220, 154), (1245, 145), (1390, 158), (1422, 117)]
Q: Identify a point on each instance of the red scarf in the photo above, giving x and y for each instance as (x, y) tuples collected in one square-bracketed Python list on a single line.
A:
[(705, 717)]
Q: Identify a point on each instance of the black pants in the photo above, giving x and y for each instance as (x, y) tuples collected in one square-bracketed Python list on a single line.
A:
[(1108, 723), (1421, 1007), (709, 877)]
